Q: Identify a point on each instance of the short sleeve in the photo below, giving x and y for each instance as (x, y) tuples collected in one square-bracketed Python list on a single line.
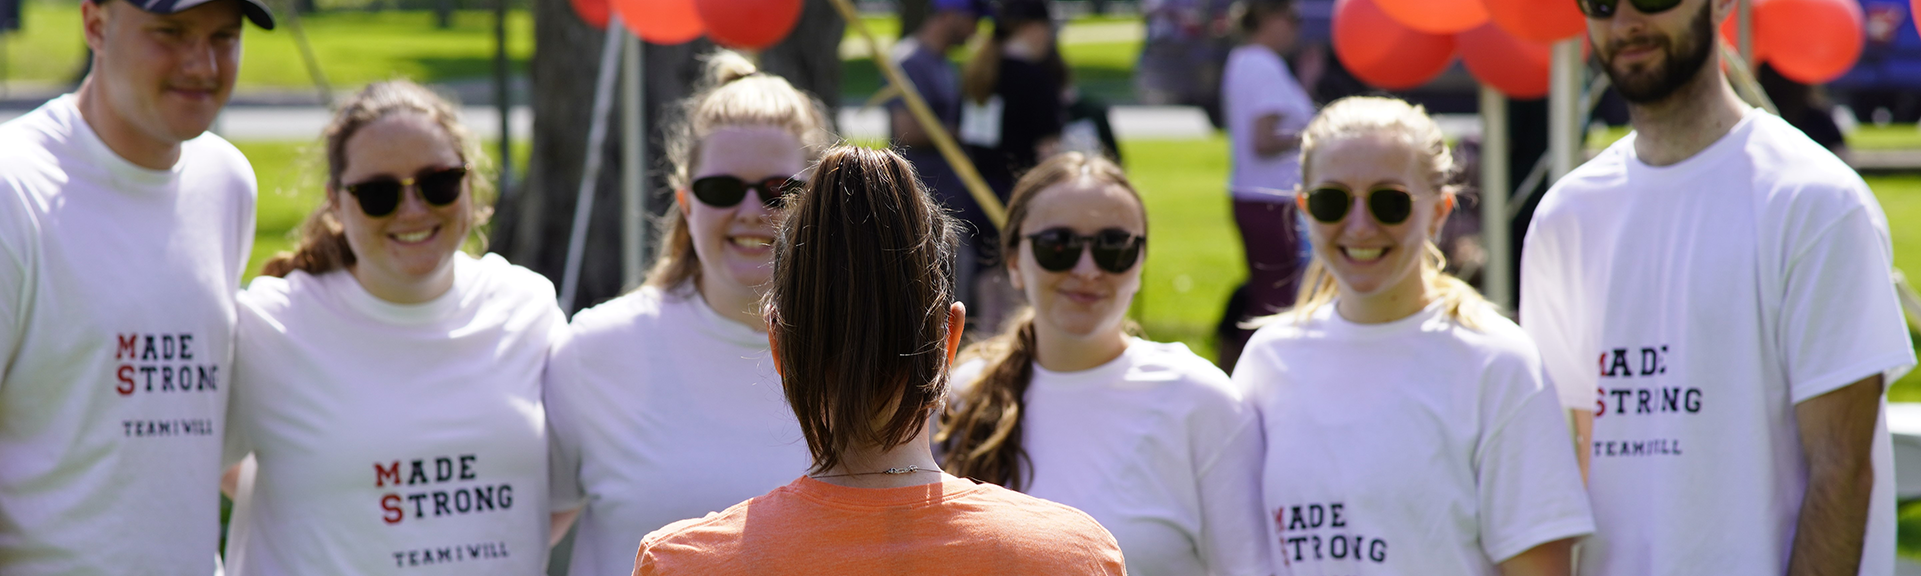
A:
[(560, 378), (916, 74), (1840, 318), (1528, 483), (249, 325), (1255, 88), (17, 262), (1551, 317), (245, 231), (1233, 517)]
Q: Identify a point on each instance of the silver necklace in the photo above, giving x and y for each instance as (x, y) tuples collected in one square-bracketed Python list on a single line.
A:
[(908, 469)]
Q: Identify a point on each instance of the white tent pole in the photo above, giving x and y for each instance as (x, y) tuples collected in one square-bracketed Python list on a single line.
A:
[(1744, 30), (1497, 276), (633, 146), (1564, 113), (590, 174)]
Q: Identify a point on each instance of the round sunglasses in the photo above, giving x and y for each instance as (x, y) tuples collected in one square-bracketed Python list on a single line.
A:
[(1059, 249), (724, 191), (1330, 205), (380, 196), (1606, 8)]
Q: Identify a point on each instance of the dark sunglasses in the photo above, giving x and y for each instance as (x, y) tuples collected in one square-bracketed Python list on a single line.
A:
[(381, 195), (1329, 205), (1607, 8), (1059, 249), (724, 191)]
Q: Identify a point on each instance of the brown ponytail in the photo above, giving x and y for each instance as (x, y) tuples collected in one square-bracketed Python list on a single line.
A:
[(322, 246), (982, 432), (858, 304)]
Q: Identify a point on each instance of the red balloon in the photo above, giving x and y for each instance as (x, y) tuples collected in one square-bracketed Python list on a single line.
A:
[(1809, 41), (1516, 67), (660, 21), (1538, 20), (1440, 16), (1914, 12), (748, 24), (594, 12), (1383, 53)]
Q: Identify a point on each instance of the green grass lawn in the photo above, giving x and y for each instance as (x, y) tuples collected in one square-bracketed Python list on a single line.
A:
[(353, 47)]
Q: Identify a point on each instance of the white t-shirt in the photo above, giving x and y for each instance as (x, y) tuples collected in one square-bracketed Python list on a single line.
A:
[(1159, 448), (662, 410), (1256, 83), (116, 323), (1692, 306), (1417, 446), (391, 438)]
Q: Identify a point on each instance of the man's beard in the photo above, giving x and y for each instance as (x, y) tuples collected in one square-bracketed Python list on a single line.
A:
[(1682, 59)]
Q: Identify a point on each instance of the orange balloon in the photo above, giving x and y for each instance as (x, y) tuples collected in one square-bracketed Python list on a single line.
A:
[(1516, 67), (1381, 52), (661, 21), (594, 12), (748, 24), (1538, 20), (1914, 12), (1440, 16), (1809, 41)]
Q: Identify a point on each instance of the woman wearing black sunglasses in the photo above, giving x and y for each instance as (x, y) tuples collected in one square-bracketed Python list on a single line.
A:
[(1408, 426), (664, 403), (387, 385), (1071, 406)]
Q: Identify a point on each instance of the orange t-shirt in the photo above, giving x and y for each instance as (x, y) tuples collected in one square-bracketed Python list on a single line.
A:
[(952, 527)]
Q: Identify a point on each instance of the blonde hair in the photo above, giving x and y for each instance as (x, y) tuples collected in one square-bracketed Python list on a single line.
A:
[(733, 93), (1373, 115), (322, 246)]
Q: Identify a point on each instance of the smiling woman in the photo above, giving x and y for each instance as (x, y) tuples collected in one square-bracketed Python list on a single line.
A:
[(1069, 405), (1386, 351), (345, 362)]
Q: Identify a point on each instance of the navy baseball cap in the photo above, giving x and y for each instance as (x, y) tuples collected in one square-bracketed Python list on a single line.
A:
[(255, 10), (976, 7)]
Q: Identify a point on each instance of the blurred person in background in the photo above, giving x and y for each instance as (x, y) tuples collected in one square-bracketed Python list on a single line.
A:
[(1013, 88), (1013, 112), (124, 228), (1266, 110), (922, 56), (664, 402), (386, 383), (1070, 405)]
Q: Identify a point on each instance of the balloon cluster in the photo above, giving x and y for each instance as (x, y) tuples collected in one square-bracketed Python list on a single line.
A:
[(1401, 44), (745, 24)]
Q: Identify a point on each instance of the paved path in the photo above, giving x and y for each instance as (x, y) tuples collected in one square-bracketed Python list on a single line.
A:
[(304, 122)]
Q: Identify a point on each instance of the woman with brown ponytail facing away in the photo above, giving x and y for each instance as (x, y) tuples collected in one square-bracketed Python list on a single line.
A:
[(1070, 406), (863, 324), (386, 383), (663, 401)]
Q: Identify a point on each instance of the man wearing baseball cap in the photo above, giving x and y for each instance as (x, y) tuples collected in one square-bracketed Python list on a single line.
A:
[(123, 230)]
